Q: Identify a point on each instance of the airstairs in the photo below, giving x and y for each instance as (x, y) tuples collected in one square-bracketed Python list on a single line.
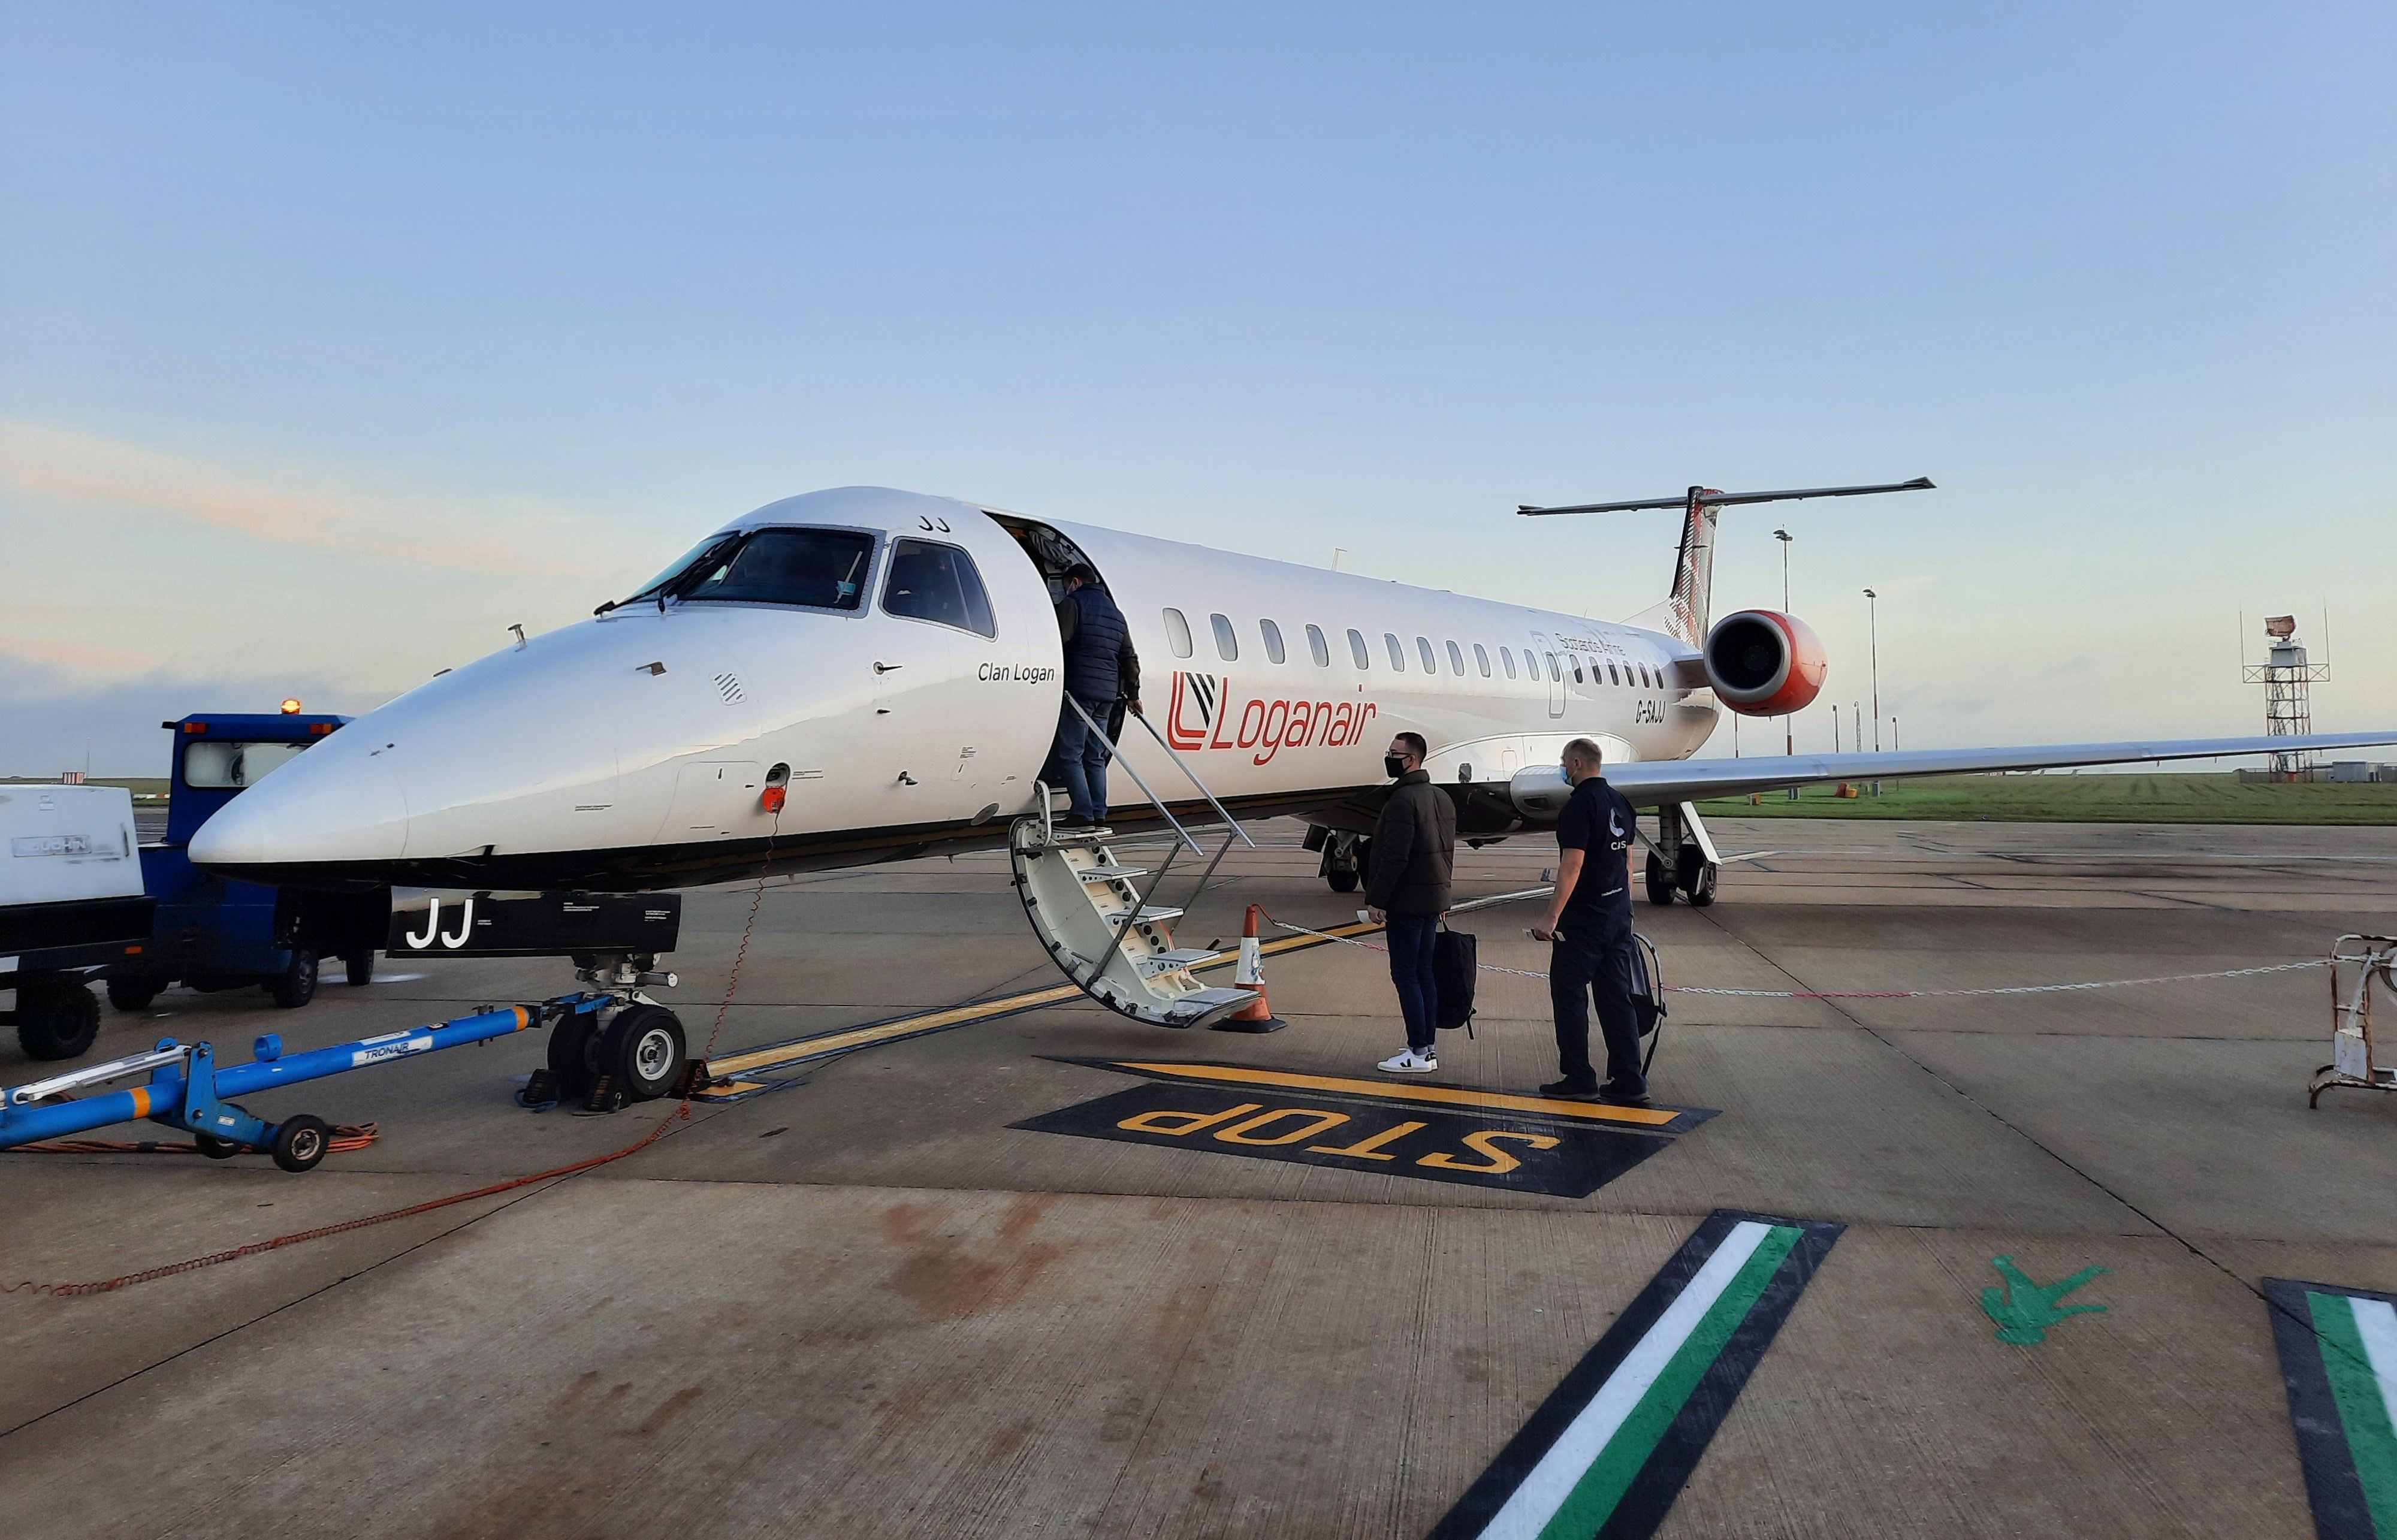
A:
[(1102, 918)]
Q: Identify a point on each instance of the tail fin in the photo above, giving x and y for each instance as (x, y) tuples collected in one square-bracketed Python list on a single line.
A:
[(1685, 613)]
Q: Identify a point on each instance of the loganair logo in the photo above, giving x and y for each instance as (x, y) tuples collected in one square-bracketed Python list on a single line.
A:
[(1203, 715)]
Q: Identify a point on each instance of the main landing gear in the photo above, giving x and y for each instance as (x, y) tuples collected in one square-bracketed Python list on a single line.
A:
[(622, 1046), (1684, 859), (1345, 856)]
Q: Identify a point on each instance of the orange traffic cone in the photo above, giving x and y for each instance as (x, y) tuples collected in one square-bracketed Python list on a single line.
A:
[(1255, 1016)]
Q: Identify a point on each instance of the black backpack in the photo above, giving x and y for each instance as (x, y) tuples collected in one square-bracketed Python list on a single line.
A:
[(1647, 983), (1455, 960)]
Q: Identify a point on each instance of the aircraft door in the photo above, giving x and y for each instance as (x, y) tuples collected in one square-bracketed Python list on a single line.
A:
[(1551, 668)]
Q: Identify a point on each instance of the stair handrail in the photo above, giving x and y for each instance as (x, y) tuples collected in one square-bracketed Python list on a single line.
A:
[(1158, 801), (1192, 775)]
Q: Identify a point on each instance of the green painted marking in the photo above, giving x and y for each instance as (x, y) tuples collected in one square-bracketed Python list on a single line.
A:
[(1602, 1485), (2371, 1441), (2024, 1310)]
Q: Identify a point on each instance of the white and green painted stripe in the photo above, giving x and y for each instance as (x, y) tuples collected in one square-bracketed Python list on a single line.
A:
[(1611, 1448), (2339, 1358)]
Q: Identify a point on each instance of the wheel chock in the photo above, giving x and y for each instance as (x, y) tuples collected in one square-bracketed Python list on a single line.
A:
[(606, 1096), (693, 1079), (541, 1089)]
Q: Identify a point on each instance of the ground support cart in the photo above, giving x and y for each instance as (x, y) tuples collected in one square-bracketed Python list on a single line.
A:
[(2356, 963)]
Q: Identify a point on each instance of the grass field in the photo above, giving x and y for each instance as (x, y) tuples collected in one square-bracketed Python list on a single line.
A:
[(2084, 799)]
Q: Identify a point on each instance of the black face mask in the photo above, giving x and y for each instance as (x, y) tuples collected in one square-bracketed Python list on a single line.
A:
[(1393, 766)]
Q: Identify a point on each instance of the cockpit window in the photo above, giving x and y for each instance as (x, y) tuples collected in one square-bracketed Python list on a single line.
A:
[(221, 764), (937, 583), (819, 569)]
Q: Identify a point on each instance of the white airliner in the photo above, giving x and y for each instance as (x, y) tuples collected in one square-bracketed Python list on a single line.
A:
[(883, 667)]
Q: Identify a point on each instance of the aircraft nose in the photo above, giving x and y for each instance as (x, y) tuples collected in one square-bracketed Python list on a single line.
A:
[(293, 818)]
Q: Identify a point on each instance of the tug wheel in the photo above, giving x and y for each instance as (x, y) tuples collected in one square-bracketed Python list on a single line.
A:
[(643, 1048), (358, 967), (300, 1142), (132, 993), (214, 1147), (57, 1017), (296, 986)]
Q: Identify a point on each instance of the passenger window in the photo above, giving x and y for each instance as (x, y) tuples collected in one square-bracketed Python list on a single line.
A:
[(1228, 646), (1482, 657), (1645, 677), (1574, 659), (1177, 633), (1317, 645), (1555, 677), (1423, 651), (1273, 640), (1455, 661), (1398, 653), (819, 569), (1357, 650), (1506, 656), (937, 584), (1610, 675)]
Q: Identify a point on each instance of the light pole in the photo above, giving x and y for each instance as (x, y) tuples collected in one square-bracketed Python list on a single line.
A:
[(1789, 733), (1835, 727), (1892, 732), (1872, 622)]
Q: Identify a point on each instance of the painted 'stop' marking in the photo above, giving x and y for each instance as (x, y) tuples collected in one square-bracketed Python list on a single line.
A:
[(1480, 1100)]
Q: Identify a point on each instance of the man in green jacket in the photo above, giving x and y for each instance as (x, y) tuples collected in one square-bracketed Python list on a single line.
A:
[(1413, 859)]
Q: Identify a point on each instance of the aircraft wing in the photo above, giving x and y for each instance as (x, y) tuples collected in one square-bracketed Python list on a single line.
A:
[(1655, 781)]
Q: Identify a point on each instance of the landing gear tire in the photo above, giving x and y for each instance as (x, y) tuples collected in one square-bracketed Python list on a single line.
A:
[(572, 1044), (297, 985), (214, 1147), (359, 967), (1660, 881), (1342, 879), (134, 994), (300, 1142), (1701, 890), (57, 1018), (643, 1048)]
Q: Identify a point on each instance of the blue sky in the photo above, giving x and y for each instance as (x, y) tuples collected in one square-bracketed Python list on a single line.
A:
[(331, 342)]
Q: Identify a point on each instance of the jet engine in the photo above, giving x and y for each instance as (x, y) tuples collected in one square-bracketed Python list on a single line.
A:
[(1764, 664)]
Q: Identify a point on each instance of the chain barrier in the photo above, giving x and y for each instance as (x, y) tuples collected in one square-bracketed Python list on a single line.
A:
[(1875, 993)]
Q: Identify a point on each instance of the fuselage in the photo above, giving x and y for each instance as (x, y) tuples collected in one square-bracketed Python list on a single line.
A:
[(900, 713)]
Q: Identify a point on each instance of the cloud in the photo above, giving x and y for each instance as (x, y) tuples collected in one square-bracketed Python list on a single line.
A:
[(78, 655), (68, 468)]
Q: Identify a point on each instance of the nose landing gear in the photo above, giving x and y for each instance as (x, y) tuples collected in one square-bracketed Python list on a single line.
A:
[(1345, 856), (618, 1042)]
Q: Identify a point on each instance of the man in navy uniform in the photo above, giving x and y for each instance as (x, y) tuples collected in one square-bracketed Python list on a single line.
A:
[(1101, 667), (1589, 921)]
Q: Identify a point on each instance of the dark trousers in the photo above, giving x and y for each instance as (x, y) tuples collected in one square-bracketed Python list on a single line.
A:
[(1410, 939), (1600, 971), (1079, 760)]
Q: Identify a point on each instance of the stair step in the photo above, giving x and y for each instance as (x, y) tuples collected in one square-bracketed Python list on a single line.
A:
[(1203, 1001), (1180, 956), (1077, 836), (1109, 873), (1153, 915)]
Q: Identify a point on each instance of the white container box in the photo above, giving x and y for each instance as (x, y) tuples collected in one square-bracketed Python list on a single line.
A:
[(66, 844)]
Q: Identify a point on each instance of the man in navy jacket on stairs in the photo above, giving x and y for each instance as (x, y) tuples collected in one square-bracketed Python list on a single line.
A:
[(1101, 668)]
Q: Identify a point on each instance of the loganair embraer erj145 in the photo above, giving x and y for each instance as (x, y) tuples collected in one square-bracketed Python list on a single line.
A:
[(860, 675)]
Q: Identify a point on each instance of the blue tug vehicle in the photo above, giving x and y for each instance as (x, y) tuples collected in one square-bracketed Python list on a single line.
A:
[(213, 933)]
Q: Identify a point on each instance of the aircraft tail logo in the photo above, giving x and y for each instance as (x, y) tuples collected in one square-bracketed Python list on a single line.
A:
[(1196, 698)]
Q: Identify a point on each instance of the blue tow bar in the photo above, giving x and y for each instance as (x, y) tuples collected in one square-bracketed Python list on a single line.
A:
[(188, 1089)]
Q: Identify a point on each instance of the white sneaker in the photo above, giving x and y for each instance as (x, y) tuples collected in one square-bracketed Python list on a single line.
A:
[(1410, 1063)]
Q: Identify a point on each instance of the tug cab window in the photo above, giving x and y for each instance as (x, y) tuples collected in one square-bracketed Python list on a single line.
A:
[(1177, 633), (229, 764), (813, 569), (937, 584)]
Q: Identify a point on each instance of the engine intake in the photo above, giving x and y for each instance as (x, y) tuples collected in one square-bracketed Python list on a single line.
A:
[(1764, 664)]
